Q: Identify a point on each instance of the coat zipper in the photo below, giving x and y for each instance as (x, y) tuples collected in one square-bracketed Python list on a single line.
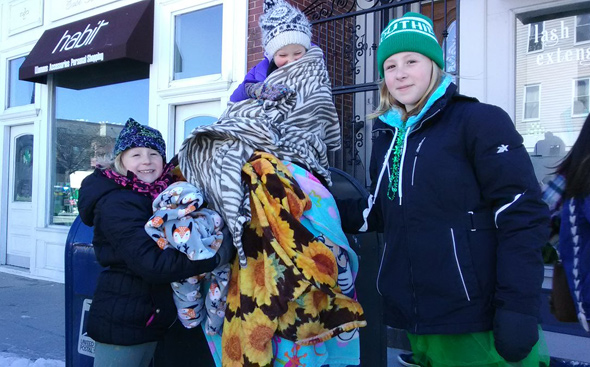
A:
[(400, 202), (416, 159), (401, 165), (459, 266)]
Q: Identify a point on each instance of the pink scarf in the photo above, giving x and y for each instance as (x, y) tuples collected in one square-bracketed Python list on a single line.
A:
[(148, 189)]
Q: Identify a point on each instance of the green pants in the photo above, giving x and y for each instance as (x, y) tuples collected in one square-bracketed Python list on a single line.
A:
[(470, 350), (109, 355)]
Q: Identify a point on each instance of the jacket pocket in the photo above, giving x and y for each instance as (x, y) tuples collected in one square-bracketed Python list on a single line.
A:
[(459, 266), (464, 264), (162, 312), (442, 271)]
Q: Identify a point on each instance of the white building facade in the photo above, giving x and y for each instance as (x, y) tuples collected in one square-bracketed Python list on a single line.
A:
[(47, 128)]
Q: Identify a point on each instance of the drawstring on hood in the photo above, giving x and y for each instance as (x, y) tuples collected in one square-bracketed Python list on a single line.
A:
[(397, 147), (393, 119)]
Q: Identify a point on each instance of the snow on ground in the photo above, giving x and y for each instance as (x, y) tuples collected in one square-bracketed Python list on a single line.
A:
[(11, 360)]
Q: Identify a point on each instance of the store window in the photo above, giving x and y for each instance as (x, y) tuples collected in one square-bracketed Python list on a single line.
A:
[(197, 43), (581, 97), (87, 123), (20, 93), (535, 37), (552, 86), (531, 102), (583, 28)]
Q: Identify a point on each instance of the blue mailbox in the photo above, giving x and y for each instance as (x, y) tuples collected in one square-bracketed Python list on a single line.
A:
[(178, 347), (81, 275)]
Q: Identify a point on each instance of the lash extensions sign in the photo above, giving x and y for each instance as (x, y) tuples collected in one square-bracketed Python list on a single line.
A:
[(108, 43), (553, 37)]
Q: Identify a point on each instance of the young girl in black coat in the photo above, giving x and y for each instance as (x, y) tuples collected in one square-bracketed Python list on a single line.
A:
[(133, 307), (457, 199)]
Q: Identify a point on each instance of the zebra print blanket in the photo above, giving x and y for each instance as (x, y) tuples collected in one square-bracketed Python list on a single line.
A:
[(302, 127)]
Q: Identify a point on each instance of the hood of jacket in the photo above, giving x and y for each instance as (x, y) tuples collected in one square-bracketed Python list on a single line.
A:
[(393, 117), (446, 92), (93, 188)]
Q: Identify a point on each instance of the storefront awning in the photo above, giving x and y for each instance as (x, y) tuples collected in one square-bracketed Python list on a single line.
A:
[(108, 48)]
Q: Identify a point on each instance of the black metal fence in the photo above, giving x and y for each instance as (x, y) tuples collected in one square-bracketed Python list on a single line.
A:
[(348, 31)]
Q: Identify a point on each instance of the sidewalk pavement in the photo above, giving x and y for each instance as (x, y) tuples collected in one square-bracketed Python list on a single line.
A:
[(32, 316), (32, 323)]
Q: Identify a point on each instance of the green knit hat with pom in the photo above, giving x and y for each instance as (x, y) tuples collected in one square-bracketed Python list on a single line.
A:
[(411, 33)]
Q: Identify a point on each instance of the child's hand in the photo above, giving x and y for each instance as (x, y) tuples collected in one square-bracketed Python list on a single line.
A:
[(515, 334), (262, 91)]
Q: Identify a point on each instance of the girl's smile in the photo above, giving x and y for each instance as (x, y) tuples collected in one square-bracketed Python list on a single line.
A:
[(146, 163), (407, 76)]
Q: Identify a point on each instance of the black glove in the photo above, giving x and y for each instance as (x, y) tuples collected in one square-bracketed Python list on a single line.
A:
[(261, 91), (227, 250), (515, 334)]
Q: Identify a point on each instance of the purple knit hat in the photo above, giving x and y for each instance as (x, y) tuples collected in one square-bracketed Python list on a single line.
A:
[(136, 135)]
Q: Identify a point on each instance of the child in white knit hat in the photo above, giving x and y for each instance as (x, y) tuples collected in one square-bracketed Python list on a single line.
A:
[(286, 37)]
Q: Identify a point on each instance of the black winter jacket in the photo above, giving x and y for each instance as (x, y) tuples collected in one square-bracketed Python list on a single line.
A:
[(463, 235), (133, 301)]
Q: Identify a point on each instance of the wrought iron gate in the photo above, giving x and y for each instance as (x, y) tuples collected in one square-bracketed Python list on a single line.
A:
[(348, 32)]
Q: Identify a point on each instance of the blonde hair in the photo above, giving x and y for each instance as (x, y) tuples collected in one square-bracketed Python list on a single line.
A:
[(387, 102), (116, 164)]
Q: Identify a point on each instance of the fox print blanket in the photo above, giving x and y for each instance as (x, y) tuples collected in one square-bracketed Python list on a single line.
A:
[(302, 127)]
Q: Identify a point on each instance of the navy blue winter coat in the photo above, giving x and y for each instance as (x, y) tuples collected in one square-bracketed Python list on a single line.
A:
[(133, 301), (463, 235)]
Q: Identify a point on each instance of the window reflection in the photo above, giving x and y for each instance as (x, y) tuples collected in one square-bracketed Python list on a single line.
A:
[(450, 48), (531, 102), (581, 96), (197, 43), (23, 169), (552, 87), (86, 126), (191, 124), (583, 28), (535, 37), (20, 93)]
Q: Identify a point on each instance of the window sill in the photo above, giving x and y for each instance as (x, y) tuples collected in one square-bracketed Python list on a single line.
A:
[(19, 112)]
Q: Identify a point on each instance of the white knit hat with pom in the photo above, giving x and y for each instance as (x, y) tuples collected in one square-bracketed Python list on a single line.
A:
[(283, 25)]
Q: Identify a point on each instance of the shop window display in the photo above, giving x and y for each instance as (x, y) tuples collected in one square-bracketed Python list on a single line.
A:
[(87, 123)]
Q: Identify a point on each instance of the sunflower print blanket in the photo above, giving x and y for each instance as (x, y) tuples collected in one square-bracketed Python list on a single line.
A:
[(290, 287)]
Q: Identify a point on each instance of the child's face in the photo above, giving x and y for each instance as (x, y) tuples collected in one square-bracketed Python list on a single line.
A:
[(147, 164), (407, 76), (288, 54)]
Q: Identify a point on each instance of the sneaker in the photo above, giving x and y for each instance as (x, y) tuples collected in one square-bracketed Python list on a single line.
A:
[(407, 359)]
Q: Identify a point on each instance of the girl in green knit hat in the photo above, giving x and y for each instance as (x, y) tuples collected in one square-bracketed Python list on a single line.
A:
[(455, 194)]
